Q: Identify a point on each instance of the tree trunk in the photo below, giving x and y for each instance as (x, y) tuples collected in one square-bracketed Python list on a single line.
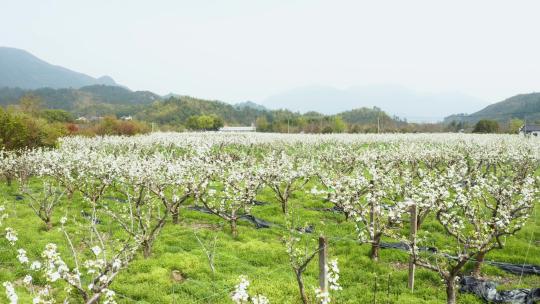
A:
[(450, 290), (478, 264), (94, 299), (48, 224), (147, 249), (175, 214), (301, 287), (8, 179), (375, 247), (234, 230), (284, 207)]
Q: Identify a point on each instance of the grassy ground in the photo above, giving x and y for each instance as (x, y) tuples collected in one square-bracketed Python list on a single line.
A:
[(259, 254)]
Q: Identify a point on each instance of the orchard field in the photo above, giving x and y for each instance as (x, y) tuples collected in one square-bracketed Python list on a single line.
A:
[(236, 218)]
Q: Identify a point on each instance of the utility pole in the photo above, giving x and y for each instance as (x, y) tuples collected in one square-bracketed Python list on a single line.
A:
[(288, 124)]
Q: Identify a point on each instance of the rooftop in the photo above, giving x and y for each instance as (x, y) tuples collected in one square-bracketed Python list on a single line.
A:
[(530, 128), (237, 129)]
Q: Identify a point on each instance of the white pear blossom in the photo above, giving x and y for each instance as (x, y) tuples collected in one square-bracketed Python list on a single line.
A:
[(240, 295)]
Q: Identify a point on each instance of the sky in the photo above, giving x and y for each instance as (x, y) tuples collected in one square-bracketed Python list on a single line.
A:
[(237, 50)]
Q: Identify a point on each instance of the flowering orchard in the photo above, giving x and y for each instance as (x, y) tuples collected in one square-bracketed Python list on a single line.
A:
[(108, 219)]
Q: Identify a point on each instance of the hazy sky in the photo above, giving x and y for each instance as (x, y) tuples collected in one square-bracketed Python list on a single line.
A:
[(248, 50)]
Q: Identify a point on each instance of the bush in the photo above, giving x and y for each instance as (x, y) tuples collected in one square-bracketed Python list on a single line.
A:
[(204, 122), (57, 116), (486, 126), (112, 126), (20, 130)]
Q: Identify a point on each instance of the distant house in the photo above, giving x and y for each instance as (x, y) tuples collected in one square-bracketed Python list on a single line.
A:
[(533, 130), (252, 128), (126, 117), (82, 119), (96, 118)]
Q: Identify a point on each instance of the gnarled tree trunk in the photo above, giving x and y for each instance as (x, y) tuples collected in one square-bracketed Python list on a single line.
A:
[(450, 290), (478, 264), (175, 212), (234, 229)]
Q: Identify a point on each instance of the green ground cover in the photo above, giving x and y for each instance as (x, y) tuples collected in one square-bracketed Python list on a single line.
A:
[(179, 272)]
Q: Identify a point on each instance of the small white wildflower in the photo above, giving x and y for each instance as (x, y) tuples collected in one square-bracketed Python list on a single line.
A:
[(21, 256), (96, 250), (11, 236), (260, 299), (36, 265), (10, 293), (240, 294)]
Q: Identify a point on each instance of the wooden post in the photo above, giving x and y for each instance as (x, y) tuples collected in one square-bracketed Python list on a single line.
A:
[(414, 222), (375, 290), (323, 270)]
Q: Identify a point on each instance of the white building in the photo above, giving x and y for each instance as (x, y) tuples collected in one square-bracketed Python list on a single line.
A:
[(533, 130), (252, 128)]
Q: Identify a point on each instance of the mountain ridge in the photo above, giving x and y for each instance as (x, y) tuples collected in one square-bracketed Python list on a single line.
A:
[(521, 106), (21, 69), (394, 99)]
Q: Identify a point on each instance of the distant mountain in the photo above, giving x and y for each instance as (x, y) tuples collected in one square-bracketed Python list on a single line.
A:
[(523, 106), (94, 100), (250, 105), (20, 69), (393, 99)]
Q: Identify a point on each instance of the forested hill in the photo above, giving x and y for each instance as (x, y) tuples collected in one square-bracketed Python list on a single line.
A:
[(523, 106), (89, 100), (18, 68), (177, 110), (189, 112)]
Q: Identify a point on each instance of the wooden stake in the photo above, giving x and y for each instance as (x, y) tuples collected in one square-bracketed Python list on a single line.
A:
[(412, 266), (323, 271)]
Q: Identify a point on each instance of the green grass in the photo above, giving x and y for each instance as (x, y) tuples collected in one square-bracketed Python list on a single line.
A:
[(259, 254)]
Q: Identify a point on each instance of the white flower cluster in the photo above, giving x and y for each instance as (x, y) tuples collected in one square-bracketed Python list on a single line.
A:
[(3, 214), (332, 269), (479, 187), (109, 296), (333, 275), (240, 294)]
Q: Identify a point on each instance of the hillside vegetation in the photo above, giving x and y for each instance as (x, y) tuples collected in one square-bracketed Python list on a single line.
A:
[(523, 106), (179, 112)]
